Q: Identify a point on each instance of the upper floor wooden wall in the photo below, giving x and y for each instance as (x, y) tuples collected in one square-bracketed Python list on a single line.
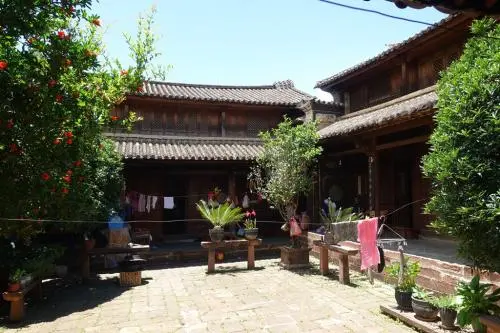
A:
[(162, 117)]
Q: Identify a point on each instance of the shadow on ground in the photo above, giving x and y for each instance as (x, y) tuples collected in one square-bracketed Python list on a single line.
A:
[(333, 274), (63, 297)]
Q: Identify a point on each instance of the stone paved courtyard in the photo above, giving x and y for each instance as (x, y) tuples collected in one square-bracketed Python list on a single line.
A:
[(268, 299)]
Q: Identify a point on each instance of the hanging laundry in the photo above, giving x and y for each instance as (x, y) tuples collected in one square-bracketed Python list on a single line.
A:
[(246, 201), (155, 199), (168, 202), (367, 237), (148, 203), (142, 203)]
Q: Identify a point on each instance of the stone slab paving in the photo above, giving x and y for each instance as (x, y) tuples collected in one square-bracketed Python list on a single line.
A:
[(268, 299)]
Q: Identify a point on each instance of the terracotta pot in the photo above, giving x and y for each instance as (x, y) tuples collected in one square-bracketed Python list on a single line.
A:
[(403, 298), (251, 233), (216, 234), (13, 287), (448, 317), (424, 310)]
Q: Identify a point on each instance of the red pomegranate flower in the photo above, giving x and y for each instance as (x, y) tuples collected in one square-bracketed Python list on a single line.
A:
[(57, 141), (69, 172), (61, 34), (67, 179), (77, 163), (96, 22), (3, 65), (59, 98), (10, 123), (114, 118), (45, 176), (52, 83), (68, 134), (69, 141)]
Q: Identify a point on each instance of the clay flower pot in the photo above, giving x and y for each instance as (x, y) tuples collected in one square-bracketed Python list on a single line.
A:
[(13, 287), (403, 299)]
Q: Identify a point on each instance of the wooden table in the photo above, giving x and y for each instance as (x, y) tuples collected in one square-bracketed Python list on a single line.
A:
[(343, 252), (109, 250), (16, 299), (231, 244)]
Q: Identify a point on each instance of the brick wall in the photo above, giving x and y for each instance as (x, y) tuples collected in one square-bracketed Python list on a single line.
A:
[(436, 275)]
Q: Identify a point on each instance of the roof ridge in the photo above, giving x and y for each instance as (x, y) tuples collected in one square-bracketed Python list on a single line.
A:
[(217, 86), (394, 48)]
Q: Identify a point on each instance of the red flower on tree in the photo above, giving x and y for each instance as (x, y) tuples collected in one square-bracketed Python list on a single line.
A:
[(45, 176), (140, 89), (57, 141), (69, 141), (59, 98), (68, 134), (96, 22), (52, 83), (67, 179), (123, 72), (77, 163), (3, 65), (61, 34), (10, 123), (69, 172), (13, 148), (114, 118)]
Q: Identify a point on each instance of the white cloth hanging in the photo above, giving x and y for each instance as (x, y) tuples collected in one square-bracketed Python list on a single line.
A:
[(155, 200), (246, 201), (168, 202), (142, 203), (148, 203)]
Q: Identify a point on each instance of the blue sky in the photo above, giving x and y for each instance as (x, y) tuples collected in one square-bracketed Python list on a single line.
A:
[(252, 42)]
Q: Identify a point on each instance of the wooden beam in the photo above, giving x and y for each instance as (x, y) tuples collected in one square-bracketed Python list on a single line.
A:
[(347, 152), (389, 145)]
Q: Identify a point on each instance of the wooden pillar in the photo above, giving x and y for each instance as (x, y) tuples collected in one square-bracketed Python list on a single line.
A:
[(323, 259), (373, 179), (344, 268), (211, 260), (403, 89), (251, 256)]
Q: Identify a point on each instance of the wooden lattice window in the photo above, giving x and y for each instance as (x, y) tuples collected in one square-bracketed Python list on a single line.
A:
[(157, 122), (255, 125), (438, 66)]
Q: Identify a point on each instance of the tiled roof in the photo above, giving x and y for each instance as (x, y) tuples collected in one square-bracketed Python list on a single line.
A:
[(410, 106), (280, 93), (155, 147), (390, 51)]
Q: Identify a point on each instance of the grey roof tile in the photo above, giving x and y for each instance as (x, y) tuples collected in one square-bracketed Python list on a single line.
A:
[(411, 105), (281, 93), (137, 146)]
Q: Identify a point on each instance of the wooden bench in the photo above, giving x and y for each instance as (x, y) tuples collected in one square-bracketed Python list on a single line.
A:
[(16, 299), (231, 244), (492, 323), (343, 252), (138, 249)]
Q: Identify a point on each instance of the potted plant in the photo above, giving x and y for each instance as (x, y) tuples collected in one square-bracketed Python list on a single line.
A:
[(331, 216), (15, 280), (282, 173), (476, 300), (447, 305), (404, 287), (219, 217), (422, 306), (251, 230)]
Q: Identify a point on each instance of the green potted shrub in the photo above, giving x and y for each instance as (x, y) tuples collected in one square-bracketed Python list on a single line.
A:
[(251, 230), (331, 217), (422, 305), (15, 280), (476, 300), (447, 305), (220, 216), (404, 288)]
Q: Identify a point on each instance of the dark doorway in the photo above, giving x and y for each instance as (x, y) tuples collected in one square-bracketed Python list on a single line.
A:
[(176, 187), (402, 190)]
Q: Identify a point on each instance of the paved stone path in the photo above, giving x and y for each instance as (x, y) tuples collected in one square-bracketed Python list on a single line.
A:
[(268, 299)]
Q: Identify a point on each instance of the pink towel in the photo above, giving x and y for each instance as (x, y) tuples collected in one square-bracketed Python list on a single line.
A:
[(367, 237)]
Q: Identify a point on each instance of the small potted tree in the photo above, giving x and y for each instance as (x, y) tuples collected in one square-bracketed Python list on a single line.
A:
[(421, 303), (219, 217), (447, 305), (404, 287), (251, 230), (283, 172)]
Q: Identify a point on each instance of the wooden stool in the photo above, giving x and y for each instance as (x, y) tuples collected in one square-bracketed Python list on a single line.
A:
[(130, 279)]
